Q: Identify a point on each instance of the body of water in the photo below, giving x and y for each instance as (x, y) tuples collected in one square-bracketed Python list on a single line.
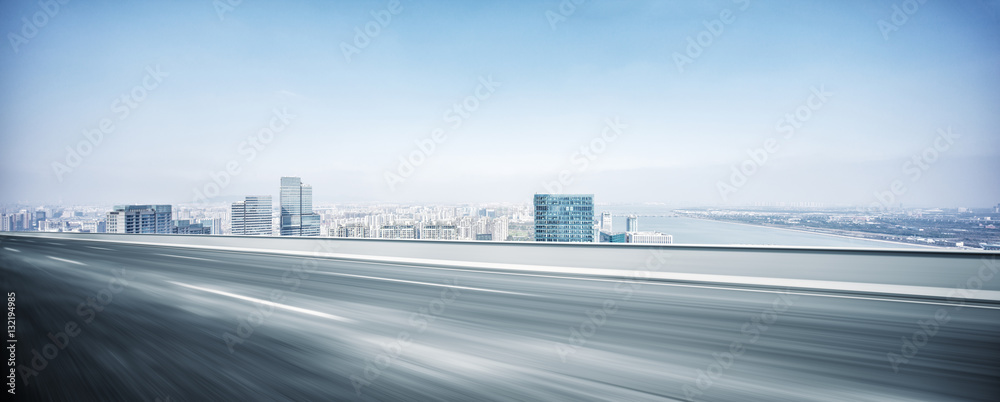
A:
[(702, 231)]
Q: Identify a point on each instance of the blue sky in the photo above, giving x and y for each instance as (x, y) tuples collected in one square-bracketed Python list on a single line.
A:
[(354, 120)]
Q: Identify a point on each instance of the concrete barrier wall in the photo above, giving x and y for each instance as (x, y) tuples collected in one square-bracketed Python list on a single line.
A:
[(932, 268)]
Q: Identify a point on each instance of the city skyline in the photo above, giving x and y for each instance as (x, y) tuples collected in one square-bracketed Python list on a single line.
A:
[(555, 200), (518, 111)]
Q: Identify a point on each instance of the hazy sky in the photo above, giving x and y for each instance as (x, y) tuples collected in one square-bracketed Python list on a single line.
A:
[(200, 78)]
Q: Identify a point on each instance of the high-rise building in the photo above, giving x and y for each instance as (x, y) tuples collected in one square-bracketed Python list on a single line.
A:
[(252, 216), (564, 217), (23, 220), (8, 222), (297, 217), (632, 223), (39, 217), (606, 221), (501, 226), (140, 219)]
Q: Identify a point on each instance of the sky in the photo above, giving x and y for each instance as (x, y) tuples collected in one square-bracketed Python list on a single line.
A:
[(688, 103)]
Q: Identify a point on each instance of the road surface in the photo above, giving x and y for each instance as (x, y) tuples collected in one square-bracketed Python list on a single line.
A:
[(144, 322)]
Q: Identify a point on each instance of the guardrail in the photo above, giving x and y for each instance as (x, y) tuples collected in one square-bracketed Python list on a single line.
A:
[(892, 271)]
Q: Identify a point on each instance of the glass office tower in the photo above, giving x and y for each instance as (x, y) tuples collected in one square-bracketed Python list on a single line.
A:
[(252, 216), (564, 217), (297, 217)]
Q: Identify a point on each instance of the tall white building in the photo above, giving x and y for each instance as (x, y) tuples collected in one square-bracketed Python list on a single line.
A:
[(252, 216), (632, 223), (606, 221), (8, 222)]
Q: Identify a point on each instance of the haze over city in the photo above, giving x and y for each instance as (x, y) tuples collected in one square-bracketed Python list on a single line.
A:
[(554, 200), (545, 81)]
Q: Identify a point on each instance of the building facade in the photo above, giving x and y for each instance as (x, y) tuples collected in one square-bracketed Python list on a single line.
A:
[(606, 221), (637, 237), (353, 230), (564, 217), (214, 225), (186, 227), (252, 216), (39, 217), (501, 228), (297, 217), (94, 226), (632, 223), (397, 232), (8, 222), (439, 232), (649, 238), (620, 237), (140, 219)]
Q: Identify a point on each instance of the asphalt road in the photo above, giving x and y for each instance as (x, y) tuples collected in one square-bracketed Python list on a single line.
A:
[(140, 322)]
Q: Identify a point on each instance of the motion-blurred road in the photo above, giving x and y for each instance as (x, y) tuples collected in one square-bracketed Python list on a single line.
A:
[(153, 323)]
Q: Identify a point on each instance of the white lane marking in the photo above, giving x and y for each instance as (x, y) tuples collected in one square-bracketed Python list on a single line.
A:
[(65, 260), (186, 257), (99, 248), (423, 283), (265, 302), (12, 249)]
